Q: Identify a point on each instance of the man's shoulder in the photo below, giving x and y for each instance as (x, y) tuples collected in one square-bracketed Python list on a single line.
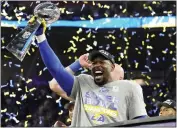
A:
[(84, 76), (129, 83)]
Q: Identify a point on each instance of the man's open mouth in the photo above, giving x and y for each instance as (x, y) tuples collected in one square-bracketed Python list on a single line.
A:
[(98, 74)]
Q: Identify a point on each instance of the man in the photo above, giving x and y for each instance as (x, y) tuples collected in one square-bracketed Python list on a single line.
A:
[(98, 99), (167, 108), (70, 107), (117, 74)]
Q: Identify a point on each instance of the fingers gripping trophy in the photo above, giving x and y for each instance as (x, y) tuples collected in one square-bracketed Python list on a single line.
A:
[(20, 45)]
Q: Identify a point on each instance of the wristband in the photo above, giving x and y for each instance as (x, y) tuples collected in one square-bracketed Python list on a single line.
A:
[(75, 66)]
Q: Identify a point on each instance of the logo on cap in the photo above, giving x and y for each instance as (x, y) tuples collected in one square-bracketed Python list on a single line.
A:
[(104, 52)]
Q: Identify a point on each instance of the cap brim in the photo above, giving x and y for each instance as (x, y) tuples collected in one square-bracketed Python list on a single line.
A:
[(164, 104)]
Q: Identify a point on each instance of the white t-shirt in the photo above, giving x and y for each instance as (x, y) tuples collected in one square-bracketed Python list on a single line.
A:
[(116, 101)]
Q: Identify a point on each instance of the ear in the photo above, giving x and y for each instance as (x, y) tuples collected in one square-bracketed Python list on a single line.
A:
[(112, 67)]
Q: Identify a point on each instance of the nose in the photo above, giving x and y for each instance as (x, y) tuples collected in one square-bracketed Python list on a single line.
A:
[(160, 114)]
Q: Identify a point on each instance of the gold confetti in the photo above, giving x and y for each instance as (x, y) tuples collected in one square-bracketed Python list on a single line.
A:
[(154, 2), (26, 89), (150, 8), (113, 42), (32, 89), (164, 29), (91, 18), (33, 50), (5, 56), (82, 39), (40, 73), (28, 116), (21, 70), (75, 38), (106, 6), (6, 93), (147, 83), (89, 35), (26, 124), (153, 100), (106, 15), (136, 65), (125, 39), (79, 31), (93, 3), (28, 81), (5, 110), (68, 120), (124, 10), (143, 43), (17, 102), (60, 113), (171, 43), (99, 5), (165, 95), (22, 8), (72, 42), (148, 77), (149, 47), (69, 57), (2, 40), (161, 94), (153, 35), (118, 48), (158, 85)]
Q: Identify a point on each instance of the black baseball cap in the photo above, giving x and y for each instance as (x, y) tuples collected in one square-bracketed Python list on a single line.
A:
[(102, 53), (68, 105), (168, 103)]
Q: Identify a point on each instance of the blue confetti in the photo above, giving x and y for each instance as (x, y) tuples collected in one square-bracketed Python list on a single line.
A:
[(11, 84), (157, 59), (153, 62), (17, 65), (147, 40), (161, 34)]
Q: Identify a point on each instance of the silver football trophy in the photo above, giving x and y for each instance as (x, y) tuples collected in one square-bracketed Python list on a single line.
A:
[(20, 45)]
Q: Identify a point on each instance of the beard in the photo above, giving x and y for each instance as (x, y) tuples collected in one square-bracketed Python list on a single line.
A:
[(101, 80)]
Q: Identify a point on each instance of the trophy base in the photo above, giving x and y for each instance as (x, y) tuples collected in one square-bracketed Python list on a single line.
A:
[(20, 45)]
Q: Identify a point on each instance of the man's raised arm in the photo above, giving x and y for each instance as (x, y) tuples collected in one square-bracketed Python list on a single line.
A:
[(65, 79)]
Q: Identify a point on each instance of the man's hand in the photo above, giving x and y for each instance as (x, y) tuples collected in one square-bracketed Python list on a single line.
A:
[(84, 62), (41, 30)]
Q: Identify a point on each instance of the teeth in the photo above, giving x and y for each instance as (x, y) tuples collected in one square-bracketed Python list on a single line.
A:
[(98, 71), (98, 77)]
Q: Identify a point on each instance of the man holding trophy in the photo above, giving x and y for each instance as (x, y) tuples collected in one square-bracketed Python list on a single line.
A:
[(87, 90)]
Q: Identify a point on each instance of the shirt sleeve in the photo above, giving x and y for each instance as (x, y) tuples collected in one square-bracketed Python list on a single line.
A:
[(136, 103)]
